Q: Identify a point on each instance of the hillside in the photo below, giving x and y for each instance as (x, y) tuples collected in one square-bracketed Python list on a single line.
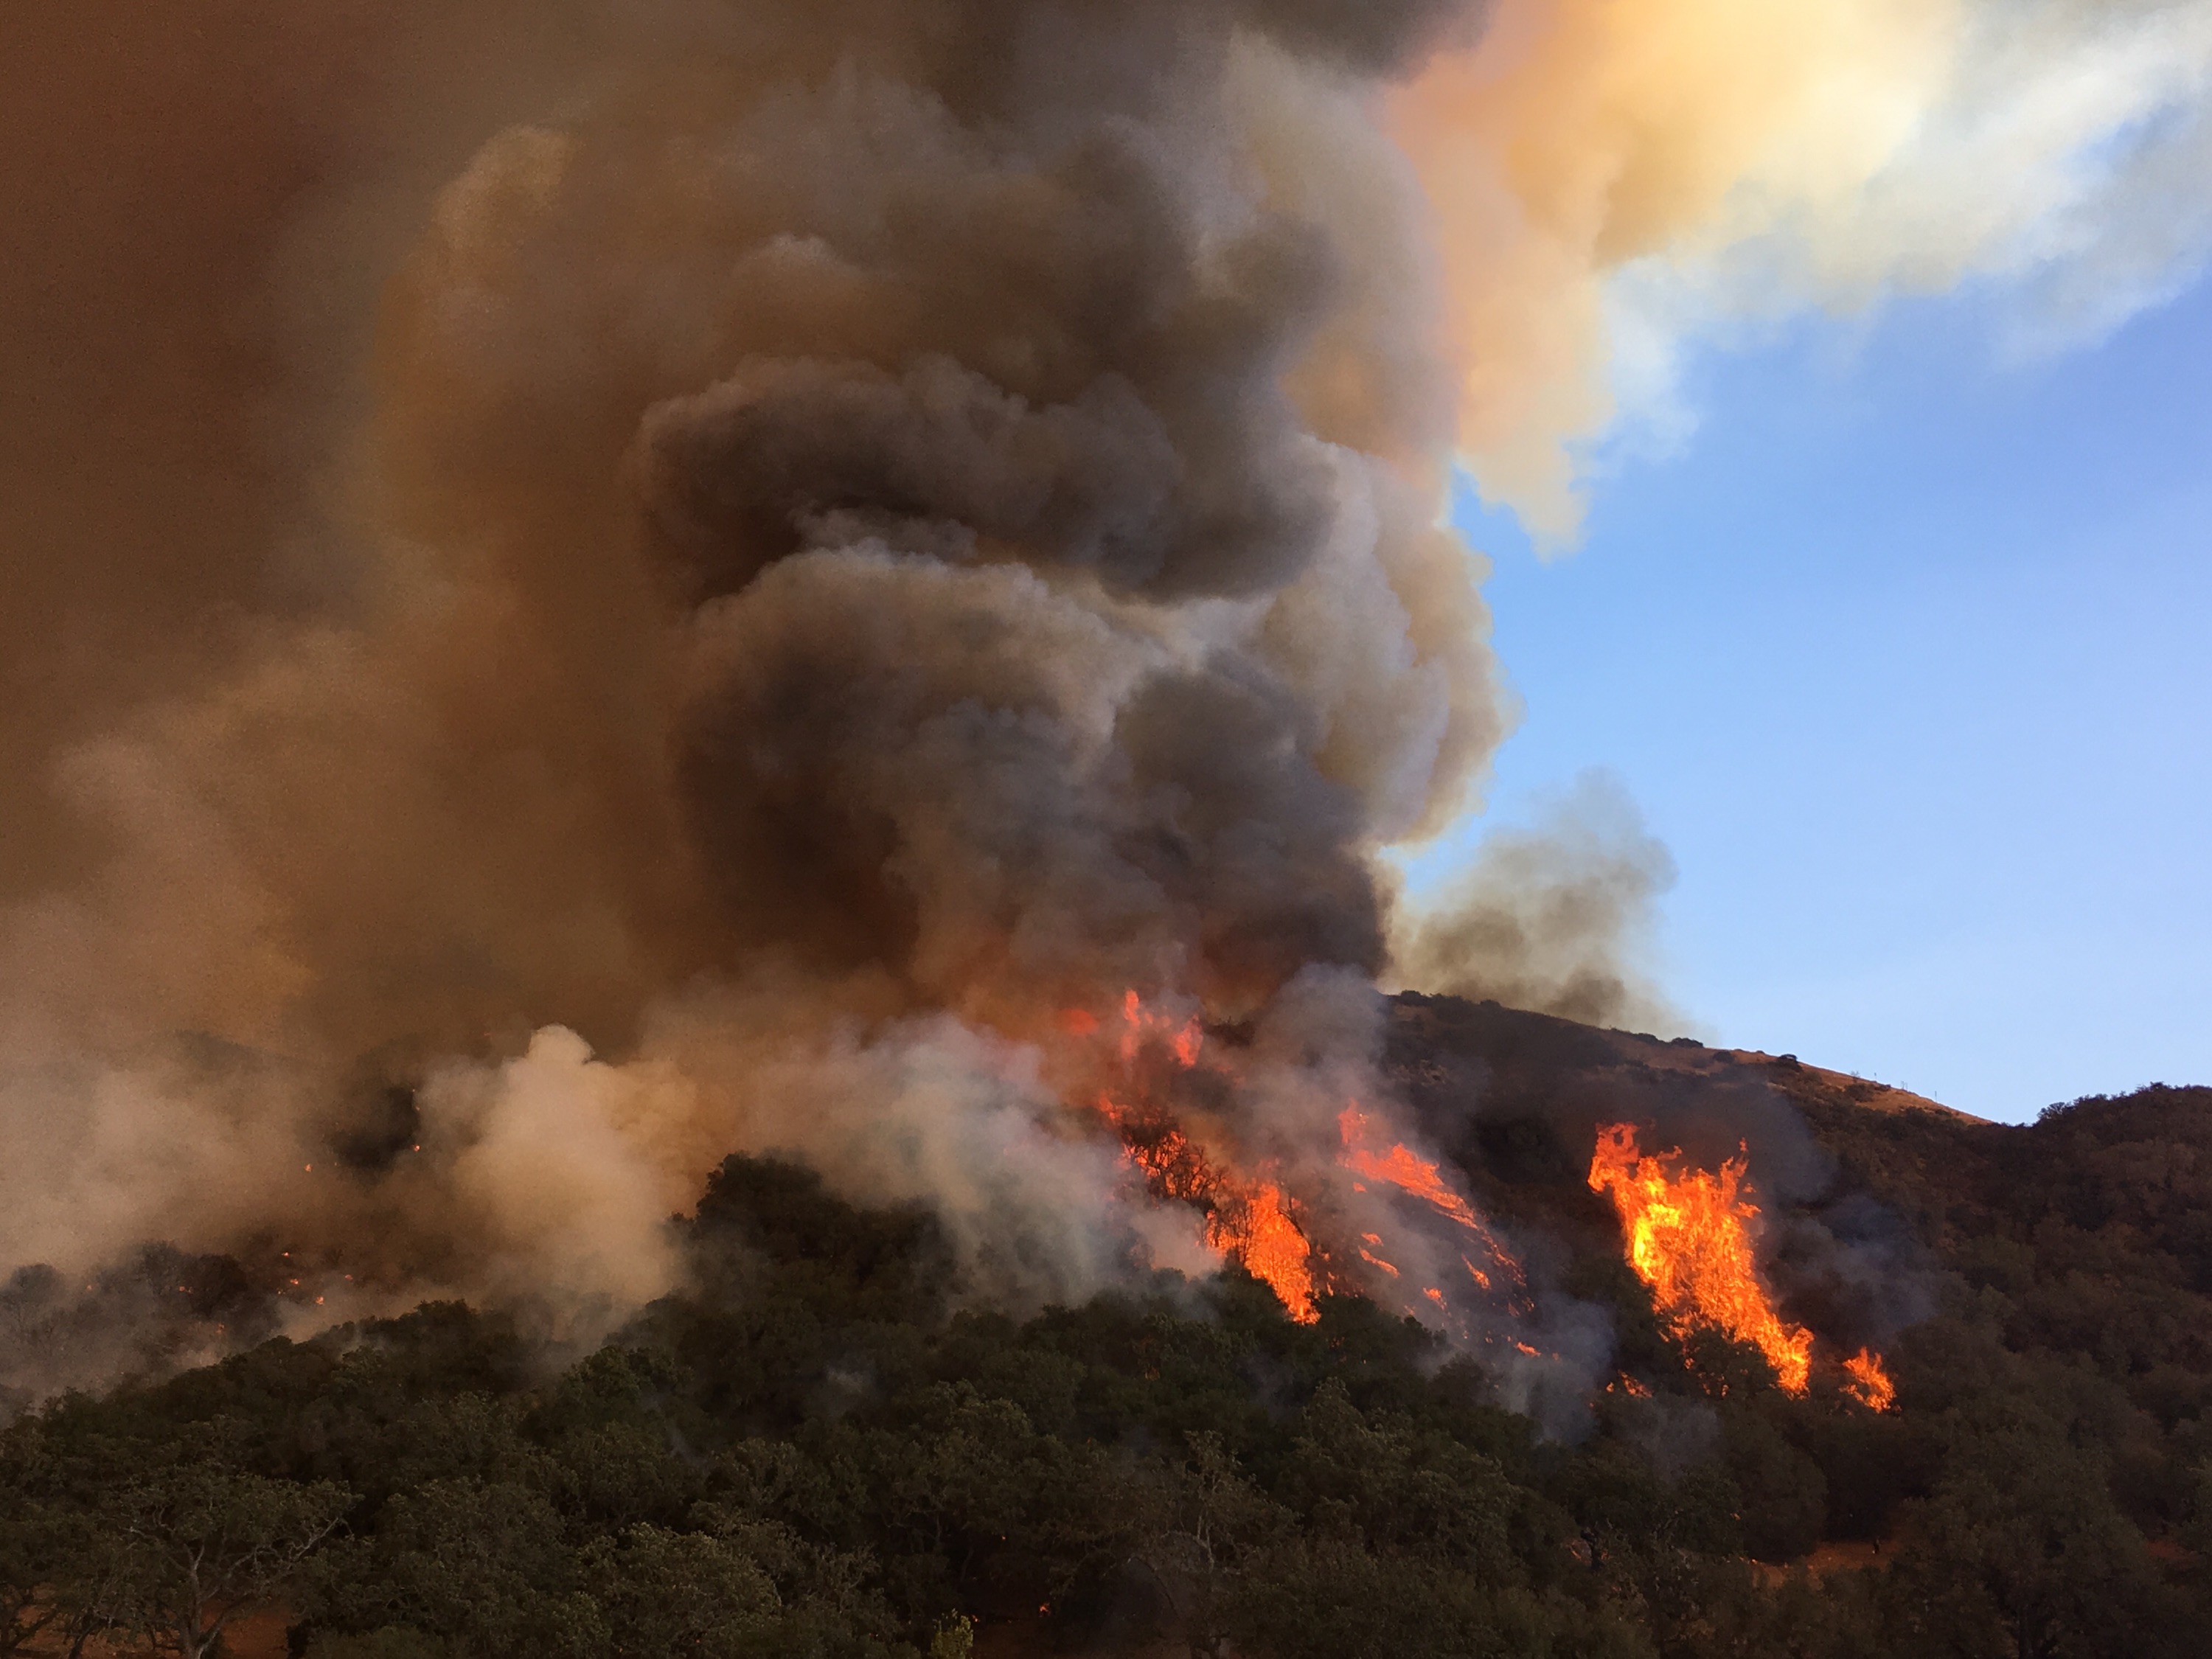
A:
[(817, 1450), (2111, 1185)]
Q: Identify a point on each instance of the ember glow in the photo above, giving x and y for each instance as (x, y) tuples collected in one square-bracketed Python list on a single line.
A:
[(1688, 1238)]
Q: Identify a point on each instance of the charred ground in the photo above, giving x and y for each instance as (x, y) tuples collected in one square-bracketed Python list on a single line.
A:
[(811, 1451)]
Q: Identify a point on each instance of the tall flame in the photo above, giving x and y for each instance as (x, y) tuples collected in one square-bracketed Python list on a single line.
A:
[(1868, 1383), (1251, 1221), (1247, 1216), (1688, 1239)]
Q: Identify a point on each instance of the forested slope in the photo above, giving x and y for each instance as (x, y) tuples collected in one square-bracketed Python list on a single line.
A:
[(817, 1450)]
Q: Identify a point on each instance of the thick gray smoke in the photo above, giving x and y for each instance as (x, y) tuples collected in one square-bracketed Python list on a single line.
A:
[(786, 547)]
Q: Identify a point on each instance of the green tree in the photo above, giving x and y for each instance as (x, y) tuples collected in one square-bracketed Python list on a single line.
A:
[(193, 1545), (484, 1567), (392, 1642), (669, 1594), (2020, 1554), (1396, 1489), (34, 1551), (1208, 1524), (62, 1568), (1785, 1496)]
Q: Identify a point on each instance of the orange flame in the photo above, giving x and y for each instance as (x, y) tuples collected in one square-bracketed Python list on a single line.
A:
[(1248, 1213), (1687, 1239), (1401, 1167), (1184, 1038), (1869, 1383), (1252, 1223), (1249, 1217)]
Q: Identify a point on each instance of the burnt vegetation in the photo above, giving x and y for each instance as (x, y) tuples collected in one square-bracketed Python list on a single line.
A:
[(818, 1449)]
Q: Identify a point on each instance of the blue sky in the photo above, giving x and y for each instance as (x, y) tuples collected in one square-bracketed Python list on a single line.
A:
[(1905, 652)]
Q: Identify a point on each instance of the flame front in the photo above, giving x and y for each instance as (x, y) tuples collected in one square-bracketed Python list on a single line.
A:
[(1422, 1178), (1402, 1169), (1156, 1080), (1252, 1222), (1689, 1240), (1247, 1216), (1868, 1383)]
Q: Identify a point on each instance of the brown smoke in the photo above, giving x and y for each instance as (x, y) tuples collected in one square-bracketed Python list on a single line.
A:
[(780, 544), (1556, 918), (596, 582)]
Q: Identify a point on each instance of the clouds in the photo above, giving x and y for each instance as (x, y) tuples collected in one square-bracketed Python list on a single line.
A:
[(1616, 183)]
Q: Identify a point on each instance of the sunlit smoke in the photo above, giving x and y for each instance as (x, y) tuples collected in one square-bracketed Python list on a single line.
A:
[(1558, 917), (1616, 181), (817, 538)]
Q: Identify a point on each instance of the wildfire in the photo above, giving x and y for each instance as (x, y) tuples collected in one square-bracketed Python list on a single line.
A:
[(1687, 1230), (1184, 1038), (1688, 1239), (1253, 1224), (1249, 1213), (1870, 1384), (1401, 1167), (1247, 1217)]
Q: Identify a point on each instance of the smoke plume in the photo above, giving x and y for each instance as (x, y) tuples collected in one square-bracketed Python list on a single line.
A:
[(667, 579), (599, 583), (1555, 919)]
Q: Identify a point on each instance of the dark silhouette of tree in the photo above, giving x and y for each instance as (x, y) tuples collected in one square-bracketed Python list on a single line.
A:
[(196, 1544)]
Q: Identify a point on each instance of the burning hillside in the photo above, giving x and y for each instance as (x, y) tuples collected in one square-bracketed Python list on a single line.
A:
[(813, 1443), (707, 701), (1318, 1226), (865, 583), (1687, 1235), (1395, 1177)]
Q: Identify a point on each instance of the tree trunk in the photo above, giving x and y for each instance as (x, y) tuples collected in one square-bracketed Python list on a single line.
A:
[(196, 1635)]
